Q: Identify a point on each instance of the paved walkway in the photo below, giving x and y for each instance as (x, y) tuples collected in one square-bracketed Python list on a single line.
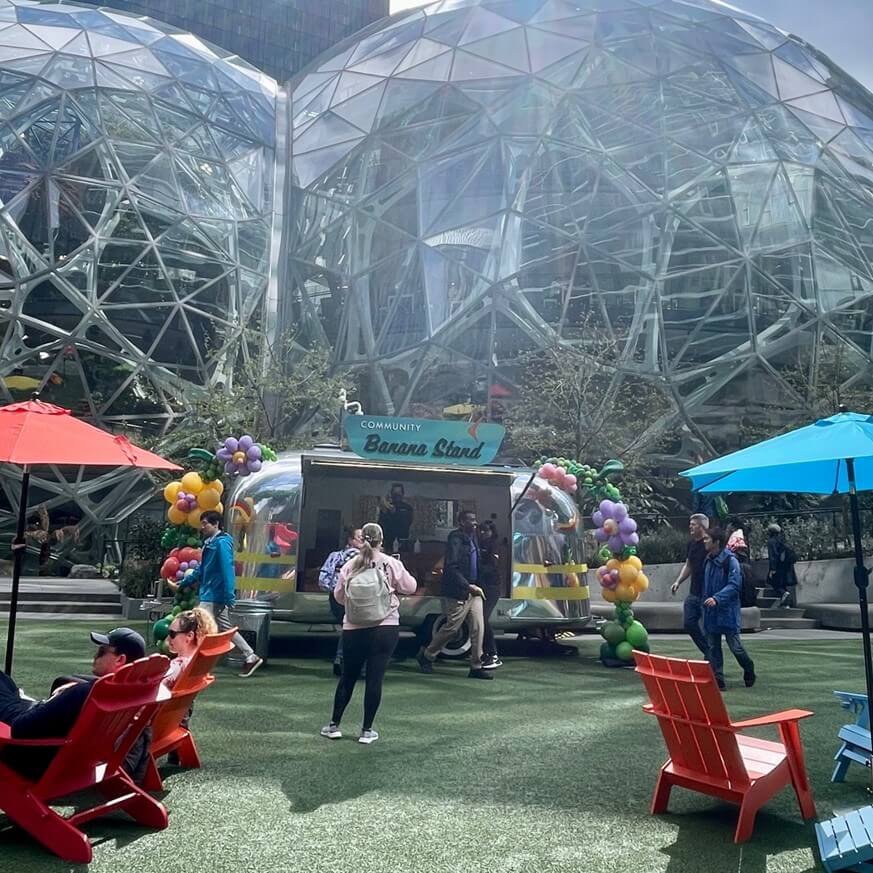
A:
[(59, 585)]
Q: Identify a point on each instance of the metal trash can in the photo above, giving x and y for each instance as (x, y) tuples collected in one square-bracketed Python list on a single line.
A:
[(252, 617)]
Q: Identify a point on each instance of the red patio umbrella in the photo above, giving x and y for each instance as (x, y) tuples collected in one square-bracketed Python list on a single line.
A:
[(33, 433)]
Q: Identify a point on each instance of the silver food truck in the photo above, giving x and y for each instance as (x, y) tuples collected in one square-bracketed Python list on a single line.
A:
[(288, 517)]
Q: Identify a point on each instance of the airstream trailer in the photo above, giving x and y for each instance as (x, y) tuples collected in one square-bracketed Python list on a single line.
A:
[(288, 517)]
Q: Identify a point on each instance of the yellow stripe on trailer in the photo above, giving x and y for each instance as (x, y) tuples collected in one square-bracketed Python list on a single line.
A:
[(254, 557), (550, 568), (524, 592), (265, 583)]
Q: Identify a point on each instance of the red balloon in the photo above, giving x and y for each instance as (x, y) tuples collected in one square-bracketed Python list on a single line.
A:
[(174, 552), (186, 554), (169, 568), (198, 554)]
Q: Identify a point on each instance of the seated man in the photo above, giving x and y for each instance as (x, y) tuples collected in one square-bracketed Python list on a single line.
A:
[(55, 716)]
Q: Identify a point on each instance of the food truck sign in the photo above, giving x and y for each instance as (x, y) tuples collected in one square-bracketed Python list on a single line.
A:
[(423, 441)]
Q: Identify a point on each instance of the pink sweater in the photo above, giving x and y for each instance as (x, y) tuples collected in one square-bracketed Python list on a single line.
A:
[(399, 579)]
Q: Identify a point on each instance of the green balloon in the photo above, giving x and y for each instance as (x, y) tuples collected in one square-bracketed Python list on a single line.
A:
[(175, 611), (613, 633), (607, 652), (161, 628), (637, 635), (625, 651)]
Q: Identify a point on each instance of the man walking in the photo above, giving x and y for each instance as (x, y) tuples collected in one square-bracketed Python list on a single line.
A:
[(782, 575), (218, 583), (721, 616), (463, 599), (695, 558)]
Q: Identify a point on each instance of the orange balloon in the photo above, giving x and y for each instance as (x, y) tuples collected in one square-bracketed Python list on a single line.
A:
[(609, 595), (208, 498), (623, 592), (217, 485), (192, 483), (627, 573), (219, 508), (193, 518), (613, 564), (176, 516), (641, 583), (634, 561), (171, 491)]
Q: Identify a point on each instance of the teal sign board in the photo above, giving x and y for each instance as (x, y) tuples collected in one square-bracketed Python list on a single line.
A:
[(423, 441)]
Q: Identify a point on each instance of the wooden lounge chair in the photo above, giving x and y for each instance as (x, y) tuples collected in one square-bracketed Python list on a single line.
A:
[(855, 737), (846, 841), (115, 713), (709, 753), (168, 732)]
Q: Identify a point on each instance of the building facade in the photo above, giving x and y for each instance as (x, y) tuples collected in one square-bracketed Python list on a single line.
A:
[(278, 37)]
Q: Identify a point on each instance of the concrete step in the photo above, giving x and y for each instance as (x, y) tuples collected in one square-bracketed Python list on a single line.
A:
[(63, 607), (782, 612), (766, 602), (788, 623), (54, 596)]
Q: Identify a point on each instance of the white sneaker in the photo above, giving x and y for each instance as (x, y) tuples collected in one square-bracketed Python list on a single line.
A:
[(332, 732), (368, 737), (249, 668)]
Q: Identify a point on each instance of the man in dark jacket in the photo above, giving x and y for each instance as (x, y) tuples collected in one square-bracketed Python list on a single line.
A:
[(462, 597), (722, 586), (55, 716), (782, 575)]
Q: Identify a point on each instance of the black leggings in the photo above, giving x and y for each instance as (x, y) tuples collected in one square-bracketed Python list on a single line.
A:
[(374, 647)]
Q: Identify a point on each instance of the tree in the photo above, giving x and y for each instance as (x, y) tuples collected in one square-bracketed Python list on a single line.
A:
[(573, 402), (285, 404)]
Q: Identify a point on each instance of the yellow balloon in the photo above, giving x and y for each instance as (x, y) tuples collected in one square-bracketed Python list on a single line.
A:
[(623, 592), (627, 573), (641, 583), (634, 594), (171, 491), (208, 498), (192, 483), (219, 508), (193, 519), (609, 595), (634, 561), (176, 516), (613, 564), (217, 485)]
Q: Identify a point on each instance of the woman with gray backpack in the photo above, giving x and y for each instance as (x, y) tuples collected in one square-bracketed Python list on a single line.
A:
[(368, 588)]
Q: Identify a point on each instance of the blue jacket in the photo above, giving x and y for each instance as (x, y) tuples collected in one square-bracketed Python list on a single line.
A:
[(723, 580), (215, 573)]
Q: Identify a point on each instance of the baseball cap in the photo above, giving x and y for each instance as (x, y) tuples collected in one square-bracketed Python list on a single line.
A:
[(124, 640)]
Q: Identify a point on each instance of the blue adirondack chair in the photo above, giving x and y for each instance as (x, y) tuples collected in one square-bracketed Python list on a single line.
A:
[(855, 737), (846, 841)]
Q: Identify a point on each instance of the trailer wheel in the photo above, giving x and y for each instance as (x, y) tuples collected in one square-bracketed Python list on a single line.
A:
[(457, 647)]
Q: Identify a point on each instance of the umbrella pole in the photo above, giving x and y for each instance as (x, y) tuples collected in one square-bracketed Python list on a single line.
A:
[(862, 580), (17, 561)]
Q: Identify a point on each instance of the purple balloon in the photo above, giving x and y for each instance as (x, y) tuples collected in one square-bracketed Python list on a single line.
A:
[(633, 539), (616, 544), (597, 518), (230, 468), (245, 443), (179, 575), (607, 507), (193, 565), (627, 525), (244, 470), (253, 453), (224, 454), (620, 512), (231, 444), (255, 465), (601, 535), (184, 565)]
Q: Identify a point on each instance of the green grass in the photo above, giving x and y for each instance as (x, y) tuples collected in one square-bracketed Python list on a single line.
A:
[(548, 768)]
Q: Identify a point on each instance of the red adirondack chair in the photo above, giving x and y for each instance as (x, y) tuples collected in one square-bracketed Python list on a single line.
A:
[(117, 709), (168, 733), (709, 753)]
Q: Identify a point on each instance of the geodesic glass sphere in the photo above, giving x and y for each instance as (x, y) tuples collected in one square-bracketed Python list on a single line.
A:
[(136, 169), (480, 178)]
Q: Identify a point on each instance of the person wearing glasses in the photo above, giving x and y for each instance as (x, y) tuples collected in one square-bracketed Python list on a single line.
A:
[(184, 637), (55, 716)]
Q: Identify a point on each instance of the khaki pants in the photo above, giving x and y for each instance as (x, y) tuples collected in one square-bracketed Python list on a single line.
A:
[(457, 612), (219, 611)]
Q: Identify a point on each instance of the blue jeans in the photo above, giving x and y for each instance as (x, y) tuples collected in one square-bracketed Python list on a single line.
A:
[(692, 614), (716, 657)]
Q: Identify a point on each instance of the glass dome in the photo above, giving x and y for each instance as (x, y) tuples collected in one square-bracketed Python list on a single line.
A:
[(477, 179)]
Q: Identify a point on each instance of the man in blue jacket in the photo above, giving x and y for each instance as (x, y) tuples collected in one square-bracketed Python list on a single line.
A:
[(217, 581), (723, 581)]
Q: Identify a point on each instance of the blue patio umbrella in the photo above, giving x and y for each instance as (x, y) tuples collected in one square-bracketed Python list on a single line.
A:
[(832, 456)]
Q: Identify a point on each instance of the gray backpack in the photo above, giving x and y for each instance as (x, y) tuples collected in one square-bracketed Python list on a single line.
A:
[(368, 596)]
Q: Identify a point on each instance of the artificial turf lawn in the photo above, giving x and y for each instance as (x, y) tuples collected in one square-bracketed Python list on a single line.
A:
[(548, 768)]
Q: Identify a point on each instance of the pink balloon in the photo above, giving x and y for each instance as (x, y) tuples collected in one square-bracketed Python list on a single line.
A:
[(548, 470), (574, 488), (570, 479), (542, 472), (560, 472)]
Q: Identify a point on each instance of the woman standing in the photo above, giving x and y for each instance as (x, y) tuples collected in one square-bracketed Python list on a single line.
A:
[(489, 579), (371, 644)]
